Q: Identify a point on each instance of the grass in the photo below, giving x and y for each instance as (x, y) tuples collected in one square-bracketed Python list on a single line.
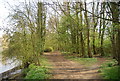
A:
[(83, 61), (66, 53), (44, 62), (109, 70), (38, 72)]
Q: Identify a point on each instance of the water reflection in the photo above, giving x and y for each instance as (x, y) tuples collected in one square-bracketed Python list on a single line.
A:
[(9, 65)]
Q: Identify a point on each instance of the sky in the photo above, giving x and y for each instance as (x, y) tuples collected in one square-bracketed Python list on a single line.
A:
[(4, 12)]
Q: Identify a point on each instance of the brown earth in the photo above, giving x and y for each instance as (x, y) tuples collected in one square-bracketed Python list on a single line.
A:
[(62, 68)]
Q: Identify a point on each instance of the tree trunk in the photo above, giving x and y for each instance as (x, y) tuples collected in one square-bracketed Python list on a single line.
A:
[(77, 31), (103, 31), (94, 27), (88, 33), (115, 31), (118, 41), (81, 32), (41, 27)]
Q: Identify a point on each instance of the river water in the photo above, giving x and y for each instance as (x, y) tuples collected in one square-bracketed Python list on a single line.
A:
[(8, 65)]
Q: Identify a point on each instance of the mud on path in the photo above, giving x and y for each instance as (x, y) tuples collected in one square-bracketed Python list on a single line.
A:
[(62, 68)]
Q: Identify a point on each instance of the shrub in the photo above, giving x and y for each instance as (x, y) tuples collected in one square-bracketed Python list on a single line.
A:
[(25, 71), (48, 49), (37, 72), (109, 70), (107, 47), (108, 64)]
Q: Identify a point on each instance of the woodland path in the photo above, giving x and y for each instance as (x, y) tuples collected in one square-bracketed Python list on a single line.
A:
[(62, 68)]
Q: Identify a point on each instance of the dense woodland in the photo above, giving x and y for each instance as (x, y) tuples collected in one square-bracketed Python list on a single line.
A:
[(84, 28)]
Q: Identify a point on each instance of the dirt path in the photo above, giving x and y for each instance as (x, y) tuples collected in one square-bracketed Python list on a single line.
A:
[(63, 68)]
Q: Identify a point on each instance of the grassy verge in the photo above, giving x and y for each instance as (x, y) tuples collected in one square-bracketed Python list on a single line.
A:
[(83, 61), (109, 70), (38, 72), (44, 62)]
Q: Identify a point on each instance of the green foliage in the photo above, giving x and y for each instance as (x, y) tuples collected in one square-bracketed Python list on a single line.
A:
[(19, 48), (65, 34), (44, 61), (48, 49), (84, 61), (107, 47), (109, 70), (25, 71), (66, 53), (51, 40), (25, 37), (108, 64), (37, 72)]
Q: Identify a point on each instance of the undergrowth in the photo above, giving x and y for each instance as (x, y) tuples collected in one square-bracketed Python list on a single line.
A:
[(38, 72), (109, 70)]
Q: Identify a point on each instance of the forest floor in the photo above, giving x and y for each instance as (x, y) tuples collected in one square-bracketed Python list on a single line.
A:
[(62, 68)]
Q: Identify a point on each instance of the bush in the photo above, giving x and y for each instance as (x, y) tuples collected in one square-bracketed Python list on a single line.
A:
[(106, 47), (37, 72), (108, 64), (49, 49), (109, 70), (25, 71)]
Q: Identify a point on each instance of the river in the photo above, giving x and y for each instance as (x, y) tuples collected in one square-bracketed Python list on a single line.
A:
[(8, 65)]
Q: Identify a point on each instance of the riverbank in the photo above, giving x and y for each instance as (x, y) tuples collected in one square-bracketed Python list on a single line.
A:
[(9, 64)]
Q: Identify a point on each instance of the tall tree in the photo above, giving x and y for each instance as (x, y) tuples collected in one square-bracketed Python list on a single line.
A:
[(95, 21), (81, 31), (26, 37), (41, 23), (103, 30), (114, 8), (88, 31)]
